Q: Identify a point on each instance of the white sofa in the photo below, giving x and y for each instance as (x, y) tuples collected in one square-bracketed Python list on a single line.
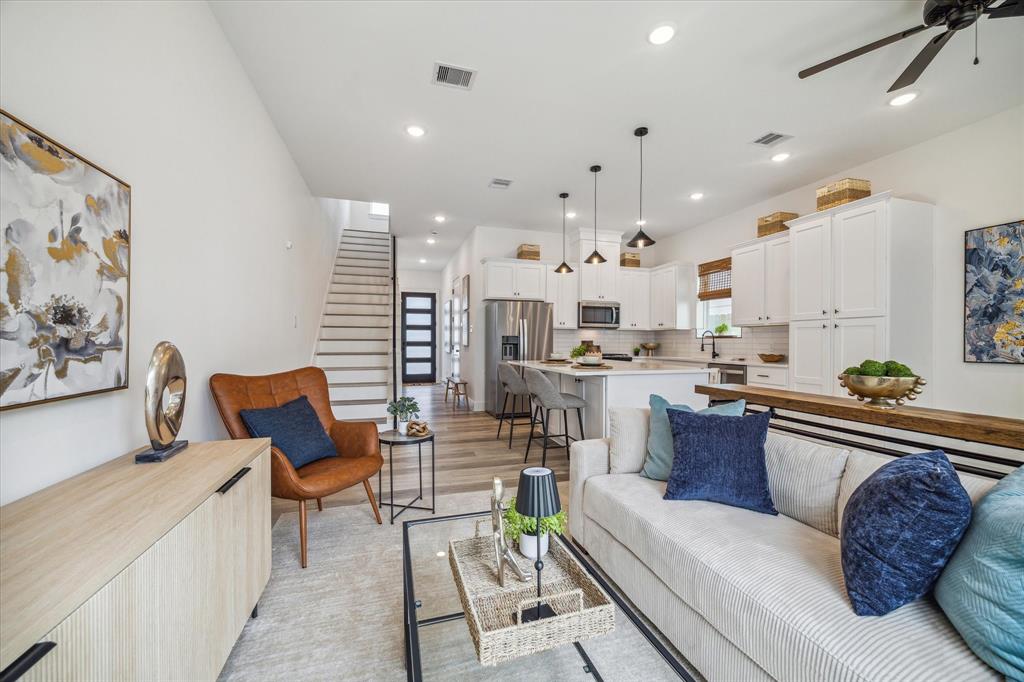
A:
[(747, 596)]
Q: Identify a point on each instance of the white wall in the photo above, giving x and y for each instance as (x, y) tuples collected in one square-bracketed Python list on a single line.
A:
[(360, 218), (975, 177), (154, 93)]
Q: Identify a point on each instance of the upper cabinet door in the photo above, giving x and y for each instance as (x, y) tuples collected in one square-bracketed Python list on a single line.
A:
[(529, 281), (860, 272), (810, 271), (663, 299), (608, 279), (561, 291), (590, 278), (640, 299), (748, 285), (499, 280), (776, 281)]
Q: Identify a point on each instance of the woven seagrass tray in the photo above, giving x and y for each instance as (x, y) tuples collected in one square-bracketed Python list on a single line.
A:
[(494, 613)]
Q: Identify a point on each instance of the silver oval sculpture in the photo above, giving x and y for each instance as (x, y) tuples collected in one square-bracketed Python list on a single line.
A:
[(165, 403)]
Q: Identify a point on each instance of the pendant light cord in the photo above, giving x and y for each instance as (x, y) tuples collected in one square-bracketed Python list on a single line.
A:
[(595, 210), (641, 219), (563, 229)]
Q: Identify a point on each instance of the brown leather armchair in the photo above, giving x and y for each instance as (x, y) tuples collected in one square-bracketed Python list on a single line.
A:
[(358, 448)]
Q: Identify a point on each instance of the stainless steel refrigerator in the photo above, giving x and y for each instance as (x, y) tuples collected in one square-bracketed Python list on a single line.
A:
[(516, 330)]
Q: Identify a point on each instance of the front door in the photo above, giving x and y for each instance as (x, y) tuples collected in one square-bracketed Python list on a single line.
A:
[(419, 347)]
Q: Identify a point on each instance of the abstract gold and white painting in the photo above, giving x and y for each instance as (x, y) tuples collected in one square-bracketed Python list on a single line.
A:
[(64, 271)]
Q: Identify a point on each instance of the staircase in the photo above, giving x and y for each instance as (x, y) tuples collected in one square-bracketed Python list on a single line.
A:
[(355, 347)]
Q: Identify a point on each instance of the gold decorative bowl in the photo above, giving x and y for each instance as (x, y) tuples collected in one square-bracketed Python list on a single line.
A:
[(771, 357), (881, 391)]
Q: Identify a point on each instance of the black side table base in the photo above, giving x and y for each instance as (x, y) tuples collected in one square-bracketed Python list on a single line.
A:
[(391, 504)]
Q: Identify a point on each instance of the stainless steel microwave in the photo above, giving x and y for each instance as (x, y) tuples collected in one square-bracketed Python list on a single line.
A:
[(603, 315)]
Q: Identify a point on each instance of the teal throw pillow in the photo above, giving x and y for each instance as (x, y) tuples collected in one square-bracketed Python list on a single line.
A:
[(658, 464), (982, 587)]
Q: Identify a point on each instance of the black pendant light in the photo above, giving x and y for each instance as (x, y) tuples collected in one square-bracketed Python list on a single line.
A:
[(564, 268), (640, 239), (596, 257)]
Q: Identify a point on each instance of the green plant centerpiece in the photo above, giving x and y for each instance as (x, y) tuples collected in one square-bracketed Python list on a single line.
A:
[(404, 408), (882, 382), (522, 530), (578, 351), (722, 329)]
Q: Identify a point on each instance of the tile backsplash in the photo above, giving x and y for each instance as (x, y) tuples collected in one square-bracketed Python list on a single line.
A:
[(678, 342)]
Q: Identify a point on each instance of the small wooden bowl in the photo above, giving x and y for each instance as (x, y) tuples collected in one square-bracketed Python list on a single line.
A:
[(771, 357)]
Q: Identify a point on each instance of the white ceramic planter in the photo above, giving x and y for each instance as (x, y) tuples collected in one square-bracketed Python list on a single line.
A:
[(403, 428), (528, 545)]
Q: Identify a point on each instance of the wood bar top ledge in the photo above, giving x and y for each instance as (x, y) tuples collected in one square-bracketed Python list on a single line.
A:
[(978, 428), (60, 545)]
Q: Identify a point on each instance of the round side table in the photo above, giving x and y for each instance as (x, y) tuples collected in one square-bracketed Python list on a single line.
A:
[(391, 439)]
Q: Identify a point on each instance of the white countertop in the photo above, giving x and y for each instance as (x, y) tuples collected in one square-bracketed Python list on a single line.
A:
[(755, 362), (617, 368)]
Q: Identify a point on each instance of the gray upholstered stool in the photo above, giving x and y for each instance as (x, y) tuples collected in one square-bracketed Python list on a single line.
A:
[(546, 398), (514, 386)]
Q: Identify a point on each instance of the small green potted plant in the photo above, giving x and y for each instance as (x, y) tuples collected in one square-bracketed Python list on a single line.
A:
[(404, 408), (523, 530), (636, 351), (578, 351), (722, 329)]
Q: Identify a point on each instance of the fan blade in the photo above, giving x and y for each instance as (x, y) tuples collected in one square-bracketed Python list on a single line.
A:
[(921, 61), (1011, 8), (861, 50)]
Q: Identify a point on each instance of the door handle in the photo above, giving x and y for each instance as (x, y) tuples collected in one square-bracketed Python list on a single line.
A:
[(22, 664), (230, 483)]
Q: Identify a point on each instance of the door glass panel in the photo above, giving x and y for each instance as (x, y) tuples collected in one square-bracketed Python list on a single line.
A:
[(417, 368), (421, 319), (417, 351), (418, 303), (419, 335)]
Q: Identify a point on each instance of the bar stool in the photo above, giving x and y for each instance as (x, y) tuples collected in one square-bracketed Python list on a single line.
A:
[(516, 387), (546, 398)]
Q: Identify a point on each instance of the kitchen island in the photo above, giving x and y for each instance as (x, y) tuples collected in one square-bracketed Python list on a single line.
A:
[(622, 384)]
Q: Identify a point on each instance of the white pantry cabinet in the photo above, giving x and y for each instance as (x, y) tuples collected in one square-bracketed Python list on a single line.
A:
[(760, 282), (563, 294), (673, 296), (861, 288), (506, 278), (635, 299)]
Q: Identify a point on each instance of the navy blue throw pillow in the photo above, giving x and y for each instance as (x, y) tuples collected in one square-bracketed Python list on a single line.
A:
[(900, 527), (293, 428), (720, 459)]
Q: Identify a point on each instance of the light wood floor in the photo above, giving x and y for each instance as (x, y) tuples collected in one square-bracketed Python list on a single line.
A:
[(468, 456)]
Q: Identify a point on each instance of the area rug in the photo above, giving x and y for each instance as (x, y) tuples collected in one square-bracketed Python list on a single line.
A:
[(341, 617)]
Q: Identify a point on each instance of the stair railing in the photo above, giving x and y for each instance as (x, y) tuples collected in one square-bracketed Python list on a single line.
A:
[(394, 326)]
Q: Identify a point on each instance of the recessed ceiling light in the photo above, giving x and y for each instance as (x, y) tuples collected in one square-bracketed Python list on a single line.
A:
[(661, 34), (641, 223), (431, 240), (415, 131), (780, 157), (905, 98), (439, 219), (423, 260), (697, 196), (570, 214)]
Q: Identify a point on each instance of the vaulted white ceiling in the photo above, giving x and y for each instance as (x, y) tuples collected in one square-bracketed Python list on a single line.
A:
[(562, 85)]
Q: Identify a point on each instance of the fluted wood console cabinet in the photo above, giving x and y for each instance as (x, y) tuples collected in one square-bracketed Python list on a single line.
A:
[(137, 571)]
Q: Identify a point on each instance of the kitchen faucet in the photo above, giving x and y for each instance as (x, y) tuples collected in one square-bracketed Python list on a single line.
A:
[(714, 353)]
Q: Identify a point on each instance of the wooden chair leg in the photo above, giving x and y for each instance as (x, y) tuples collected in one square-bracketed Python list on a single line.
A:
[(373, 501), (319, 504), (302, 532)]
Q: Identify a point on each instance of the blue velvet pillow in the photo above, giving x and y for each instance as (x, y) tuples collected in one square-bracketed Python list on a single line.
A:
[(720, 459), (900, 527), (982, 587), (293, 428), (658, 463)]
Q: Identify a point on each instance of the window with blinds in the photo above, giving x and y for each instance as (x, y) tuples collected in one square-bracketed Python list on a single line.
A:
[(715, 279)]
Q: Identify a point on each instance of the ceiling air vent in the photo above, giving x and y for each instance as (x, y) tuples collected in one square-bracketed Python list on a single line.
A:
[(499, 183), (770, 139), (453, 76)]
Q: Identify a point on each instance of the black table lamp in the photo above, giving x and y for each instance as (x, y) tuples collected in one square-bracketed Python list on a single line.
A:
[(537, 496)]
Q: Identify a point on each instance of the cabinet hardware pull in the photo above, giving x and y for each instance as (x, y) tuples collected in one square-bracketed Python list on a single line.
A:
[(759, 317), (837, 325), (824, 312), (837, 310), (824, 326), (22, 664), (228, 484), (767, 317), (764, 376)]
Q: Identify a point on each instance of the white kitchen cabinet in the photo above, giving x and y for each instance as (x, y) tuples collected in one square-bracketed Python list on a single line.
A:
[(748, 273), (776, 281), (563, 293), (514, 279), (598, 282), (845, 279), (673, 294), (634, 299)]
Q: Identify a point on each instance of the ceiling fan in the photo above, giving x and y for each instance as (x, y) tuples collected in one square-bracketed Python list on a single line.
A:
[(954, 15)]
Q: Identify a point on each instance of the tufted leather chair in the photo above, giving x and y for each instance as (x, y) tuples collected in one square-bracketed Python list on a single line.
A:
[(358, 448)]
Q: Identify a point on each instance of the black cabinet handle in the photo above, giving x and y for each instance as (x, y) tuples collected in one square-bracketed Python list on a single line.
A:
[(228, 484), (24, 663)]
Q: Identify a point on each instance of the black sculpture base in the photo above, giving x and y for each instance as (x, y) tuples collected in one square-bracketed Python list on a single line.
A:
[(152, 455), (530, 614)]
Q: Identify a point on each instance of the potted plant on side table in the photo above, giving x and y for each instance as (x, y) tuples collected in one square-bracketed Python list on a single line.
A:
[(404, 408), (523, 530)]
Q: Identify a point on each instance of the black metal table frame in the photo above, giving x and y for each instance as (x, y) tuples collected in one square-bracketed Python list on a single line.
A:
[(390, 504), (412, 624)]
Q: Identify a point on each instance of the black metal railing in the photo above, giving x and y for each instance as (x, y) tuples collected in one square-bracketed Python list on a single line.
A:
[(394, 326)]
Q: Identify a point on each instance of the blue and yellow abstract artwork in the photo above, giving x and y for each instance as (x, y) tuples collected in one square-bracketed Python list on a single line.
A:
[(994, 294)]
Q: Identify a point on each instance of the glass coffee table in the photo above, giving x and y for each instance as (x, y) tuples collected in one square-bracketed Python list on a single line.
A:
[(438, 645)]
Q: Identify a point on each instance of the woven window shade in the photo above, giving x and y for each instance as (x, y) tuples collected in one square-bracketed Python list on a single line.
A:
[(715, 279)]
